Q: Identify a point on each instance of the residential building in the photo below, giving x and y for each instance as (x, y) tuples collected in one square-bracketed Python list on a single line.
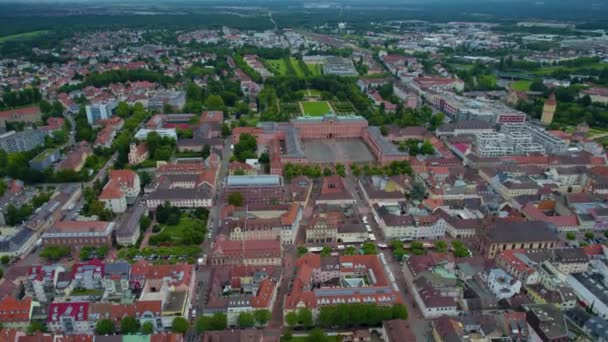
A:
[(79, 234), (76, 158), (122, 188), (129, 228), (31, 114), (397, 330), (322, 281), (334, 192), (245, 252), (69, 317), (184, 185), (547, 321), (395, 223), (142, 133), (502, 285), (15, 313)]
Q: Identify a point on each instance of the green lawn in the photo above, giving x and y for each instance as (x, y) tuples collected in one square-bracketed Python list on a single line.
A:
[(315, 69), (549, 70), (185, 224), (296, 67), (316, 108), (521, 85), (277, 66), (22, 35)]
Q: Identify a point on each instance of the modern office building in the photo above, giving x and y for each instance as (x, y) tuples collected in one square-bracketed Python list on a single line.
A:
[(100, 111)]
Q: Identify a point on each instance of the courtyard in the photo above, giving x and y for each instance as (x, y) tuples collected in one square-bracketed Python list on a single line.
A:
[(326, 151)]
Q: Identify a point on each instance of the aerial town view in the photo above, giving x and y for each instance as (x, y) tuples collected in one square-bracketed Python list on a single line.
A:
[(306, 171)]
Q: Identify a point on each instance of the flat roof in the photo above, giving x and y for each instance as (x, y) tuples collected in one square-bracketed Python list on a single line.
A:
[(253, 180)]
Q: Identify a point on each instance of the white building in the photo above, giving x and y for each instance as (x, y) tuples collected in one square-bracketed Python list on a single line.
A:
[(122, 188), (100, 111), (142, 134), (502, 284)]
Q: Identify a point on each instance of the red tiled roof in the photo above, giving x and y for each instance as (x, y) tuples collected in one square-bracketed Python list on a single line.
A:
[(13, 310), (118, 180), (10, 113), (264, 295)]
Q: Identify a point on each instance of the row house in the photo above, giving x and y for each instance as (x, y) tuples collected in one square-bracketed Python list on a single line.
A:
[(397, 225), (245, 252)]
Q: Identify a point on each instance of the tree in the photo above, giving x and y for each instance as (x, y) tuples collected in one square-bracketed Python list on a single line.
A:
[(147, 328), (180, 325), (246, 320), (5, 259), (214, 102), (316, 335), (350, 250), (570, 236), (606, 233), (104, 327), (35, 326), (326, 251), (302, 250), (262, 316), (206, 151), (246, 148), (459, 249), (202, 324), (399, 311), (122, 110), (418, 192), (291, 319), (427, 148), (144, 223), (55, 253), (369, 248), (129, 325), (209, 323), (305, 318), (327, 172), (417, 248), (219, 321), (441, 246), (236, 199), (589, 235), (226, 131)]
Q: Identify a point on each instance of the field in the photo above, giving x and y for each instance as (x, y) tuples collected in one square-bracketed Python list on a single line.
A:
[(521, 85), (280, 67), (551, 69), (296, 67), (277, 66), (315, 69), (22, 35), (315, 108)]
